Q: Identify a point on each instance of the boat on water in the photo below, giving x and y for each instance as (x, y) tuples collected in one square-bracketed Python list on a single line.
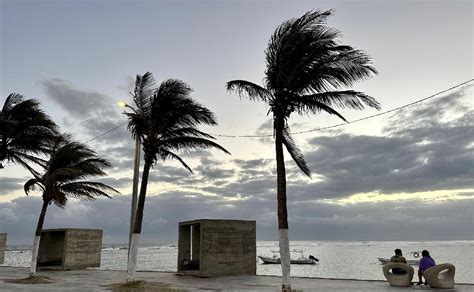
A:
[(301, 260), (411, 262)]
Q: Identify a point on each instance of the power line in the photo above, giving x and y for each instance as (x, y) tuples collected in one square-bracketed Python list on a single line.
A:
[(316, 129), (354, 121), (105, 133)]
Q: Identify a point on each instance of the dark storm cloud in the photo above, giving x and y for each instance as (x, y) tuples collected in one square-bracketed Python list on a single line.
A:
[(254, 168), (246, 188), (213, 169), (425, 148), (96, 112), (9, 184), (172, 174), (418, 153), (116, 182), (407, 220), (413, 220), (75, 101)]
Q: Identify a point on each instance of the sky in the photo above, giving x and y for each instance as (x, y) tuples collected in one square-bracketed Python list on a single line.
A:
[(407, 175)]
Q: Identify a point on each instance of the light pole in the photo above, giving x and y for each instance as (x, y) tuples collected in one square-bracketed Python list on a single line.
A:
[(136, 171)]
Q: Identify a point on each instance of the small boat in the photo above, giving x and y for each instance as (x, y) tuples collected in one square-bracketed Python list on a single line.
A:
[(411, 262), (311, 260)]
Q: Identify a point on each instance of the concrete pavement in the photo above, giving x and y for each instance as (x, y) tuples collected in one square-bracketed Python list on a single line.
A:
[(97, 280)]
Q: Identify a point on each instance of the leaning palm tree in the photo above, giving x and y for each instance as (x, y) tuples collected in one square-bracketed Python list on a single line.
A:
[(165, 121), (66, 176), (306, 67), (25, 132)]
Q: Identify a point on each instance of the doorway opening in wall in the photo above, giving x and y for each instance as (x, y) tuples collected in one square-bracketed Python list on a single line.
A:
[(51, 248), (192, 240)]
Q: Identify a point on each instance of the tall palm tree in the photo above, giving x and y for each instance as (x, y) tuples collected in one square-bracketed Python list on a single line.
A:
[(66, 175), (306, 67), (25, 131), (165, 121)]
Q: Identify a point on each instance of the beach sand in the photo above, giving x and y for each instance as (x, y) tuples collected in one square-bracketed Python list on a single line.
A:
[(95, 280)]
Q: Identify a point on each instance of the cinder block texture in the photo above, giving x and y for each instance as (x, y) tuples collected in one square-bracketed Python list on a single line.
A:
[(70, 248), (3, 246), (217, 248)]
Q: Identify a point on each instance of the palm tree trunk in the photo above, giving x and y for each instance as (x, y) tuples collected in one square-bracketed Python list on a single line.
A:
[(36, 241), (282, 209), (137, 228), (136, 174)]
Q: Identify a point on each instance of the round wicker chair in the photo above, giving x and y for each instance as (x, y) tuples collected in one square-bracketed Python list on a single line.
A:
[(440, 276), (396, 279)]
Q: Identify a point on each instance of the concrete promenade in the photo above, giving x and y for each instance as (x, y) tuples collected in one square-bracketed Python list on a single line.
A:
[(95, 280)]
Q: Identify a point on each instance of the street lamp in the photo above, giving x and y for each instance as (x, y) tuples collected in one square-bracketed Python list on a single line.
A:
[(136, 170)]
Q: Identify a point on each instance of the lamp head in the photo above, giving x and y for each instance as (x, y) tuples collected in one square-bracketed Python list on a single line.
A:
[(122, 104)]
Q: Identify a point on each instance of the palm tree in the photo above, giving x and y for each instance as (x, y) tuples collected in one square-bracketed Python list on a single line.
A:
[(306, 67), (66, 172), (164, 120), (25, 131)]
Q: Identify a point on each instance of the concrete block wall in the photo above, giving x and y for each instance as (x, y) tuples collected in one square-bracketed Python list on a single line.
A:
[(69, 248), (3, 246), (83, 248), (225, 247)]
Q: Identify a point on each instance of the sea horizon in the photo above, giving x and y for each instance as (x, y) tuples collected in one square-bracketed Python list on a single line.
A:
[(339, 259)]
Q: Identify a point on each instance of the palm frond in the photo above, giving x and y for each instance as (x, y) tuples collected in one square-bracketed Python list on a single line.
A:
[(295, 152), (166, 154), (30, 185), (172, 105), (20, 160), (11, 100), (288, 43), (66, 171), (304, 105), (138, 124), (144, 87), (173, 88), (341, 69), (25, 131), (249, 90), (350, 99), (87, 190), (168, 123), (187, 131), (186, 144), (57, 197)]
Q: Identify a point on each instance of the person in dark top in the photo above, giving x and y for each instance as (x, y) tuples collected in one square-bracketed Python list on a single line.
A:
[(398, 258), (426, 262)]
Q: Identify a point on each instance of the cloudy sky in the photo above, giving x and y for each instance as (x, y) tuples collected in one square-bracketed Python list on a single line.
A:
[(408, 175)]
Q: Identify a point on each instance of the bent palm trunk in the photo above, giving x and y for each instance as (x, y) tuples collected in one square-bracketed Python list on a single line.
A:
[(282, 209), (133, 211), (137, 228), (36, 241)]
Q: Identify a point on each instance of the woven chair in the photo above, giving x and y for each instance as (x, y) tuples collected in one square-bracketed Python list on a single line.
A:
[(396, 279), (440, 276)]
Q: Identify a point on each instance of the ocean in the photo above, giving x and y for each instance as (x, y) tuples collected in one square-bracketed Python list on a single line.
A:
[(337, 259)]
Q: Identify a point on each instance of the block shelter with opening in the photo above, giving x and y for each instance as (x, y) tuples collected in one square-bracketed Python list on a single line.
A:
[(215, 247), (70, 248)]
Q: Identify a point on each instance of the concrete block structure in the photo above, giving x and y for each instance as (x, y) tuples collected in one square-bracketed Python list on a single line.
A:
[(70, 248), (211, 247), (3, 246)]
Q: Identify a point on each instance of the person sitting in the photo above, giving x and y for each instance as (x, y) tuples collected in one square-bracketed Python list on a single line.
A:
[(426, 262), (398, 258)]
